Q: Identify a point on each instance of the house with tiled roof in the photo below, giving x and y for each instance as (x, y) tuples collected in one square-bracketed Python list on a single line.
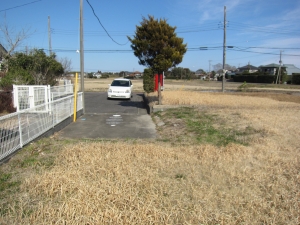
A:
[(248, 68), (135, 74), (291, 68), (270, 69)]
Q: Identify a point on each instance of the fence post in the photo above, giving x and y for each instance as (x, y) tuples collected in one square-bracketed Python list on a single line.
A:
[(20, 130), (53, 112), (15, 93), (31, 97), (47, 98), (71, 111)]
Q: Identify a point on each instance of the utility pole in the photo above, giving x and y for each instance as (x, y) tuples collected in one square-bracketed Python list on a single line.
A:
[(49, 36), (279, 70), (224, 51), (209, 69), (82, 55)]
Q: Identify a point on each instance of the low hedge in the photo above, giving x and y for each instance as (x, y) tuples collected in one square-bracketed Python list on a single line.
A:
[(254, 78), (296, 78)]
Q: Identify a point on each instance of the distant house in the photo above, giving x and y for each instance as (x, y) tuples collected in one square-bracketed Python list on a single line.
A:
[(270, 69), (290, 69), (138, 74), (134, 75), (201, 76), (97, 75), (248, 68)]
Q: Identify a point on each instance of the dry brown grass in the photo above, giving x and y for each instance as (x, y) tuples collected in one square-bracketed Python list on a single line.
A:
[(146, 182), (197, 85)]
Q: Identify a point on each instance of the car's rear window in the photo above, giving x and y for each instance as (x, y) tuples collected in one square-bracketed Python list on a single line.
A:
[(120, 83)]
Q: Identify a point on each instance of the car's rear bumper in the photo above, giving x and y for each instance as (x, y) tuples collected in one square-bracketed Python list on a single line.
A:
[(119, 95)]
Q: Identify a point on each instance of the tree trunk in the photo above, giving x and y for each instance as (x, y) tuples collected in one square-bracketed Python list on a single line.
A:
[(159, 89)]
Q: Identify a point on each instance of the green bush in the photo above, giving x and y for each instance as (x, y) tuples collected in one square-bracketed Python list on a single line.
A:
[(148, 80), (296, 78), (266, 79), (254, 78), (104, 76)]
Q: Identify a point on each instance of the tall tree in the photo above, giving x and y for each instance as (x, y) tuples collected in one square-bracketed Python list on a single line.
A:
[(218, 67), (200, 71), (181, 73), (177, 72), (66, 64), (157, 46)]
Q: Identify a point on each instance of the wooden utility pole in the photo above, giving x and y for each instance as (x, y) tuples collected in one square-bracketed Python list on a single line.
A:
[(279, 70), (49, 36), (224, 51), (82, 54)]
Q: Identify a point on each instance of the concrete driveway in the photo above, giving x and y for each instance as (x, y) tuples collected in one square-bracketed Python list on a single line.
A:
[(114, 118)]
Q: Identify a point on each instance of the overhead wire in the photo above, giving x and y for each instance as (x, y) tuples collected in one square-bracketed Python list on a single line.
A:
[(266, 53), (102, 24), (229, 48), (19, 6)]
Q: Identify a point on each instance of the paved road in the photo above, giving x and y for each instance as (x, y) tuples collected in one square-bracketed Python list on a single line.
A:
[(114, 118), (97, 103)]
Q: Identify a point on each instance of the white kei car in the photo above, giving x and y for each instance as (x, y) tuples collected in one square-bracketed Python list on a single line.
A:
[(120, 88)]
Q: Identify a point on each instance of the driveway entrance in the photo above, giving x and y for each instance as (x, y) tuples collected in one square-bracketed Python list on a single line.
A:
[(114, 118)]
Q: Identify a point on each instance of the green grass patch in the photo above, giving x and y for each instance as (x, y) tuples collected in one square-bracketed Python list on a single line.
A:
[(205, 128), (7, 185)]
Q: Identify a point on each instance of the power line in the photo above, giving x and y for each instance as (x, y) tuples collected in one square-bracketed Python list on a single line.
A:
[(265, 53), (126, 33), (102, 25), (231, 48), (19, 6)]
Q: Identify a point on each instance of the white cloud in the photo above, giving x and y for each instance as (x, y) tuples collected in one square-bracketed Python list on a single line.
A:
[(282, 42), (209, 9)]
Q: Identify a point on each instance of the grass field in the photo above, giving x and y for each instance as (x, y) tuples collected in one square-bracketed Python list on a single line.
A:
[(102, 85), (221, 159)]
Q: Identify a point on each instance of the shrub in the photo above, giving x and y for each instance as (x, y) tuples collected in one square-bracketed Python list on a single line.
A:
[(6, 103), (105, 76), (148, 80), (296, 78), (254, 78)]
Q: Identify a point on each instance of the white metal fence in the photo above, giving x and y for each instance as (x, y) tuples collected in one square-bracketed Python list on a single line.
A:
[(19, 128), (29, 96)]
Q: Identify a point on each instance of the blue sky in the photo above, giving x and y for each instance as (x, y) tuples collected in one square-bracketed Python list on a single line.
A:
[(256, 29)]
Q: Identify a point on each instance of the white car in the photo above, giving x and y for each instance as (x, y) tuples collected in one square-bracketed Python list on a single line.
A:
[(120, 88)]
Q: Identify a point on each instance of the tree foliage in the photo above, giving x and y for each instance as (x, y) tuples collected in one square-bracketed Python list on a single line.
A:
[(218, 67), (200, 71), (181, 73), (66, 64), (35, 68), (156, 45)]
